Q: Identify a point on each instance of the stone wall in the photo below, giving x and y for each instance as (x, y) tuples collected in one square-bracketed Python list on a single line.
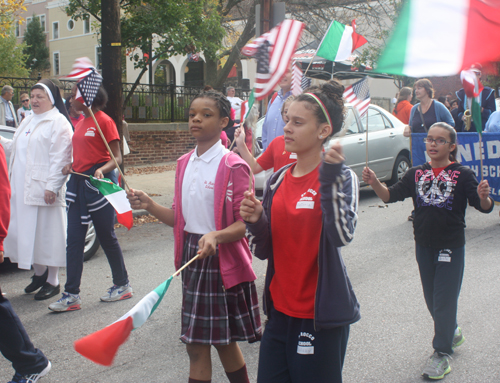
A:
[(156, 143)]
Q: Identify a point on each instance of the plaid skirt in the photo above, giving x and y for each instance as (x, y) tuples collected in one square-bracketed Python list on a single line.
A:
[(212, 314)]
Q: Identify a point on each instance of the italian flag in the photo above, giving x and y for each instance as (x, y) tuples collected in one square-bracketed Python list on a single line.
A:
[(339, 42), (101, 346), (117, 197), (442, 37), (246, 106)]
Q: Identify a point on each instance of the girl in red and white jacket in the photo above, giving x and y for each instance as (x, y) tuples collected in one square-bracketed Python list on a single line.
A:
[(219, 300)]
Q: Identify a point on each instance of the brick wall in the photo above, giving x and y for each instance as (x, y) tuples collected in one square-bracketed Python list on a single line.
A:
[(156, 143)]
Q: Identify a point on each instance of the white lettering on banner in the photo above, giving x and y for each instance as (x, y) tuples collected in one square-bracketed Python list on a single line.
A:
[(492, 171), (493, 149), (467, 151)]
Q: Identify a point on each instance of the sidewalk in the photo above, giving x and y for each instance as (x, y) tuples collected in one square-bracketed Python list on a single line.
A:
[(155, 181)]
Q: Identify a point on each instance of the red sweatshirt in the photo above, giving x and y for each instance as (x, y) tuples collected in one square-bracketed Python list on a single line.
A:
[(4, 198)]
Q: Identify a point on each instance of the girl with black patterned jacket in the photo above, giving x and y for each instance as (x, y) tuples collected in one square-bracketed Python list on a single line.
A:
[(440, 191)]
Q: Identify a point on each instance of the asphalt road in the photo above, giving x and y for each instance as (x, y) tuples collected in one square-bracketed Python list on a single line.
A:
[(389, 344)]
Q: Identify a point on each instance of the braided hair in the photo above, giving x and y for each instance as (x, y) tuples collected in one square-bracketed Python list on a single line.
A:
[(222, 103), (330, 93)]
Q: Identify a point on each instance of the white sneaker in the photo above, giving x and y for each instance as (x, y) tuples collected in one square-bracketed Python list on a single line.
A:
[(68, 302), (31, 378), (118, 293)]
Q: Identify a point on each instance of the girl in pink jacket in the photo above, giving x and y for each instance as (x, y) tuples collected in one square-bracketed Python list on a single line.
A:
[(219, 302)]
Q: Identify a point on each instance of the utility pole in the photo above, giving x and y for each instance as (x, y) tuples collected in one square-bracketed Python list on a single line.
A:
[(111, 61)]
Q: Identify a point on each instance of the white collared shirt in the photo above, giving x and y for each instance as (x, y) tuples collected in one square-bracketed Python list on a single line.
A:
[(198, 189)]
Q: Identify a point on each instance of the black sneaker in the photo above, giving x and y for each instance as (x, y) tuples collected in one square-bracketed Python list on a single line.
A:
[(47, 291), (37, 281)]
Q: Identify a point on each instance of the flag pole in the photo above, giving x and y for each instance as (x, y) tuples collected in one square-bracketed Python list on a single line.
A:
[(481, 155), (109, 149), (186, 265), (367, 137), (317, 49)]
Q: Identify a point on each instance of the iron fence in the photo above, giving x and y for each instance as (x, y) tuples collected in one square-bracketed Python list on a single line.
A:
[(148, 103)]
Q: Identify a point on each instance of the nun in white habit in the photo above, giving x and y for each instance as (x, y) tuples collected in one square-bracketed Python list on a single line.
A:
[(39, 150)]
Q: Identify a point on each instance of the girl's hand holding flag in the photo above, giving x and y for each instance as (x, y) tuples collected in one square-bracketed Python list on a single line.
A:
[(335, 155), (250, 208), (483, 190)]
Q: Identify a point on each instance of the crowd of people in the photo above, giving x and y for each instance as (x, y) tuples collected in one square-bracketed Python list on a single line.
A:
[(45, 216), (309, 212), (450, 108)]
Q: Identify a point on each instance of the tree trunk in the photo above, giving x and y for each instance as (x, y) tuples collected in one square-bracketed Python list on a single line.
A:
[(111, 62), (246, 35)]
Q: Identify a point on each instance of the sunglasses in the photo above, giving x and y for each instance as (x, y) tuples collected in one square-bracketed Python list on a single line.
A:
[(25, 100)]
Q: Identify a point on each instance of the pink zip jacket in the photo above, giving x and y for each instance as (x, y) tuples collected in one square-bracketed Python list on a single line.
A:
[(231, 182)]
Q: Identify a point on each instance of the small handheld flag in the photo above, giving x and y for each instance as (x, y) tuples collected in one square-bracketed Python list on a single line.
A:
[(88, 88), (421, 45), (117, 197), (273, 54), (101, 346), (358, 94), (340, 41), (299, 81)]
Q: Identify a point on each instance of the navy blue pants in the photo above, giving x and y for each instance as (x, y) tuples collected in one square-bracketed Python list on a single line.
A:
[(291, 351), (15, 343), (441, 273), (104, 220)]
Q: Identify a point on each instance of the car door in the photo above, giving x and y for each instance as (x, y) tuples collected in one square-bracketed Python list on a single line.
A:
[(381, 142), (353, 143)]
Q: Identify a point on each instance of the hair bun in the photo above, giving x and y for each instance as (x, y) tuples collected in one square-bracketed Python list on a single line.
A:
[(333, 89)]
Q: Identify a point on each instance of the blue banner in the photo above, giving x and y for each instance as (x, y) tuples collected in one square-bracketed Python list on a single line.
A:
[(469, 155)]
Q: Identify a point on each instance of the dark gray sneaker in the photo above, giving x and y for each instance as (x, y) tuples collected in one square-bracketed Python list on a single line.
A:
[(458, 339), (437, 366)]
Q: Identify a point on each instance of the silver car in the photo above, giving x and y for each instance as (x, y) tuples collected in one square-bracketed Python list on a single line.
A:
[(388, 149), (91, 241)]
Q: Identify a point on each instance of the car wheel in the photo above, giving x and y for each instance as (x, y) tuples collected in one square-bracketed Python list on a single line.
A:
[(401, 166), (91, 243)]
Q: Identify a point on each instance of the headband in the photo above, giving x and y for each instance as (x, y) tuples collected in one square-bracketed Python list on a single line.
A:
[(47, 90), (322, 106)]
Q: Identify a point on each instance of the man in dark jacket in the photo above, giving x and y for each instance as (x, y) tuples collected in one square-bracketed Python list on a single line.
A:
[(29, 363)]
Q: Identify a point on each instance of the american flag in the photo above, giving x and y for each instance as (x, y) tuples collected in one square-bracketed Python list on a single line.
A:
[(88, 87), (193, 57), (274, 54), (299, 81), (251, 48), (81, 68), (358, 94)]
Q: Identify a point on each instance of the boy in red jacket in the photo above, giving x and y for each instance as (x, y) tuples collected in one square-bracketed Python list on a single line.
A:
[(29, 363)]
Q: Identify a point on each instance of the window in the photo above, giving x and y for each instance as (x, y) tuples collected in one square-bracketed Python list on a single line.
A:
[(86, 26), (56, 62), (350, 123), (98, 63), (55, 30), (28, 20), (71, 24), (18, 33), (42, 22), (375, 120)]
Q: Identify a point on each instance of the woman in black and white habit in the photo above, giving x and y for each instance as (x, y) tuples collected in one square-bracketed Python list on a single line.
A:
[(39, 150)]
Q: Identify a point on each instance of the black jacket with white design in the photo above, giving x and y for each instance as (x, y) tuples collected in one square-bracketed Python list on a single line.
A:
[(439, 202), (335, 302)]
